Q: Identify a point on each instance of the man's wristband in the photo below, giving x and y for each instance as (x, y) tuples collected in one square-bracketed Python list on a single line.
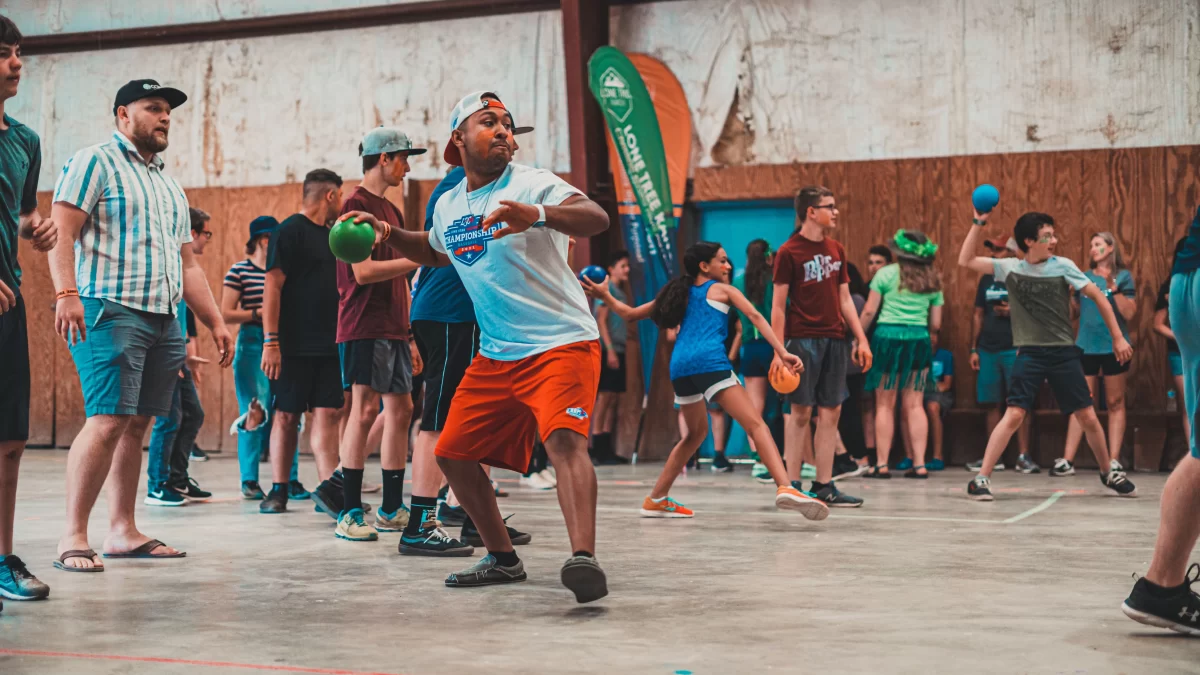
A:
[(541, 221), (980, 223), (974, 350), (67, 293)]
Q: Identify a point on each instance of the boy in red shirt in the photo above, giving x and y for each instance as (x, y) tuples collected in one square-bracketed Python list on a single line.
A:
[(811, 311)]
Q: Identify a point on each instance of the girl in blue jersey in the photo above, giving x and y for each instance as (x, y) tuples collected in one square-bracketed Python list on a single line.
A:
[(698, 303)]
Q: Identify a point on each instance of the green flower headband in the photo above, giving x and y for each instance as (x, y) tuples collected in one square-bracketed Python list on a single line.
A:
[(926, 250)]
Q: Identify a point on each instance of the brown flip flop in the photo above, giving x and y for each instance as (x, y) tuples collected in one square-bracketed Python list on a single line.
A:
[(88, 553), (143, 552)]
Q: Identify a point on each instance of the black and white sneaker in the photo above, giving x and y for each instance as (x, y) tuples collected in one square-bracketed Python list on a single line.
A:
[(978, 464), (197, 455), (487, 572), (1118, 483), (721, 464), (583, 576), (190, 490), (836, 499), (1176, 609), (451, 516), (1026, 465), (980, 489), (162, 495), (432, 540), (470, 534), (844, 467), (1062, 467)]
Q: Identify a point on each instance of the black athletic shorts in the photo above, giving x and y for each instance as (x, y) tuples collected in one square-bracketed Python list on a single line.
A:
[(702, 387), (308, 382), (1062, 367), (14, 374), (1103, 364), (612, 379), (447, 349)]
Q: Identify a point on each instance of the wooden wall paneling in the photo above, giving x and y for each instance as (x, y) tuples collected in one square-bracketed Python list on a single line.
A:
[(1014, 195), (38, 294), (211, 377), (1063, 173), (959, 283), (912, 181), (1148, 252), (1183, 189), (1095, 210)]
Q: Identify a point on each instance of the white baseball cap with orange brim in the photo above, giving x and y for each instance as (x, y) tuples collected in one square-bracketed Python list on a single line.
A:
[(469, 105)]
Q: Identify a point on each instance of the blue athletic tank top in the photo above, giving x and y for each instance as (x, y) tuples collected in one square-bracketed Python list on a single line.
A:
[(700, 345)]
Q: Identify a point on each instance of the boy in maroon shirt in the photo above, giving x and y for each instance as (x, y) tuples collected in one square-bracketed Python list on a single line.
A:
[(373, 337), (810, 312)]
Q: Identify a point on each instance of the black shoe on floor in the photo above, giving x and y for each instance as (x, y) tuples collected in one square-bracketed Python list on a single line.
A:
[(328, 498), (1117, 482), (721, 464), (844, 467), (197, 455), (1176, 609), (583, 576), (980, 489), (835, 499), (432, 540), (451, 516), (276, 502), (487, 572), (297, 491), (252, 490), (191, 491), (470, 535)]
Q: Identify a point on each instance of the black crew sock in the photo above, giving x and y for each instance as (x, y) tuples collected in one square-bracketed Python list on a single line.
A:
[(817, 487), (351, 489), (505, 558), (393, 490), (602, 443), (583, 554), (420, 507), (280, 487), (719, 455)]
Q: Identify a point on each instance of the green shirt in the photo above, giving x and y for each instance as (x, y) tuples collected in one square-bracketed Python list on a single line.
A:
[(901, 306), (749, 331), (20, 164)]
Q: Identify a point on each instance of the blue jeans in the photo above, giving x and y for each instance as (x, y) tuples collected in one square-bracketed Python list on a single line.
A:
[(1185, 321), (250, 383), (173, 436)]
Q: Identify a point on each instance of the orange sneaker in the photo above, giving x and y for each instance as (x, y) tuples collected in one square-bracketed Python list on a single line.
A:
[(789, 498), (667, 508)]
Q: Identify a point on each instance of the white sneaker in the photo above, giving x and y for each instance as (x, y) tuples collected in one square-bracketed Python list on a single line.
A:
[(1114, 465), (548, 474), (535, 481)]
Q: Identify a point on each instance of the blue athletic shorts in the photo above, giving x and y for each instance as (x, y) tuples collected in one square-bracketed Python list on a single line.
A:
[(1185, 321), (995, 376)]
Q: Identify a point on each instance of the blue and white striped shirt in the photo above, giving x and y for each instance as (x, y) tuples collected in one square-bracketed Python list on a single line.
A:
[(128, 249)]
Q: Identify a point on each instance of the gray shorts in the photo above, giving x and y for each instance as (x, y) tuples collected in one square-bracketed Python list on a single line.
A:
[(823, 382), (383, 365)]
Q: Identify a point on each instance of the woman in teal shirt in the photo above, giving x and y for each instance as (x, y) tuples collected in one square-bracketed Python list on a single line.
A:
[(756, 353), (911, 294), (1109, 273)]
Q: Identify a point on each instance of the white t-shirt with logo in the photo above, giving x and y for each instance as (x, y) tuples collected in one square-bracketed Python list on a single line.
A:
[(527, 299)]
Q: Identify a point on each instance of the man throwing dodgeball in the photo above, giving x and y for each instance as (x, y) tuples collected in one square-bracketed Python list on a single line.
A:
[(506, 229)]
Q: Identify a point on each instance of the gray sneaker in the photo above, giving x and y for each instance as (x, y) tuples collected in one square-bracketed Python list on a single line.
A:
[(16, 583), (582, 574), (978, 464), (487, 572), (1026, 465)]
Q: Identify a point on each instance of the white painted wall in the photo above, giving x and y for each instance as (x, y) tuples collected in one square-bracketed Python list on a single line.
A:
[(815, 80)]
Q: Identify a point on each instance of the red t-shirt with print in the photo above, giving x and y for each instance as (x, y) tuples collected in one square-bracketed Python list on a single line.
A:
[(814, 272), (376, 311)]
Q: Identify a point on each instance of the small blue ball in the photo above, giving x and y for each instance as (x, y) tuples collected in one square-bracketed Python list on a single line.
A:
[(594, 273), (985, 197)]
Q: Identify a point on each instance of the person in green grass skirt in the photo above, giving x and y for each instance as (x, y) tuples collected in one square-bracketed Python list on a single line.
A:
[(910, 291)]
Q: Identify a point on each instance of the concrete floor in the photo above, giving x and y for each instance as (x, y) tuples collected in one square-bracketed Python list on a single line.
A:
[(919, 581)]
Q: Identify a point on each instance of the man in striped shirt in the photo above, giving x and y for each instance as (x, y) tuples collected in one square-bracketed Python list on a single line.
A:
[(120, 269)]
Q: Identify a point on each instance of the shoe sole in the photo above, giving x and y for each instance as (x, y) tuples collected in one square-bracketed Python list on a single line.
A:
[(1029, 471), (765, 480), (448, 553), (646, 513), (588, 583), (389, 528), (347, 537), (491, 582), (844, 505), (727, 469), (9, 595), (525, 538), (253, 498), (1055, 474), (323, 506), (981, 498), (809, 508), (1157, 621), (1128, 495), (198, 500), (272, 512), (154, 502)]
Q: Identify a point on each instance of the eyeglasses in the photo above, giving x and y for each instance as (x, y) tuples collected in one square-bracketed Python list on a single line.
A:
[(207, 234), (831, 207)]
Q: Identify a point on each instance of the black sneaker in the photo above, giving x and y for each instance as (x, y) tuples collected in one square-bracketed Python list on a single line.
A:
[(980, 490), (191, 491), (487, 572), (1026, 465), (432, 540), (328, 497), (162, 495), (451, 516), (835, 499), (297, 491), (252, 490), (276, 502), (470, 534), (1176, 609), (721, 464), (844, 466), (17, 583), (582, 574), (1062, 468), (198, 455), (1118, 483)]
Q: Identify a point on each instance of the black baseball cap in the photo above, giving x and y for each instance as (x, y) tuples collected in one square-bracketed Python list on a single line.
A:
[(136, 90)]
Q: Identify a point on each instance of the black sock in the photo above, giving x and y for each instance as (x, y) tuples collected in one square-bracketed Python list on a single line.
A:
[(718, 454), (420, 507), (505, 558), (603, 445), (393, 490), (351, 489), (280, 487), (469, 524), (817, 487), (583, 554)]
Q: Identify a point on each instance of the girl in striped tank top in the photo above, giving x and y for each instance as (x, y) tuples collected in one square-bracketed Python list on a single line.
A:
[(698, 303)]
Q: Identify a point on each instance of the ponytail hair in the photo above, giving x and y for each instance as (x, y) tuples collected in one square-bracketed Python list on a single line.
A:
[(758, 272), (671, 301)]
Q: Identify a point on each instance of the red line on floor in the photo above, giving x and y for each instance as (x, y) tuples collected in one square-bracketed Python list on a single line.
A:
[(184, 662)]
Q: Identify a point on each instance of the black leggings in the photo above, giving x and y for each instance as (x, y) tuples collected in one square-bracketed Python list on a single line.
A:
[(850, 424), (538, 461)]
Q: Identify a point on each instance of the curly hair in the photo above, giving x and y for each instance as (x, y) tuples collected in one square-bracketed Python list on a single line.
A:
[(758, 272), (671, 302)]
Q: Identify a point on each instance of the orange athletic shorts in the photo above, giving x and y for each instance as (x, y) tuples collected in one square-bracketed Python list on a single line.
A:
[(501, 406)]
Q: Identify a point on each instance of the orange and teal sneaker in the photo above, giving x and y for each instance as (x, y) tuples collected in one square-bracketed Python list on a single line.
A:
[(789, 498), (665, 508)]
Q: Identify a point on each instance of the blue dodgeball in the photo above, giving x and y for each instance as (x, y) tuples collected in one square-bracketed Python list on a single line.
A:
[(594, 273), (985, 197)]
